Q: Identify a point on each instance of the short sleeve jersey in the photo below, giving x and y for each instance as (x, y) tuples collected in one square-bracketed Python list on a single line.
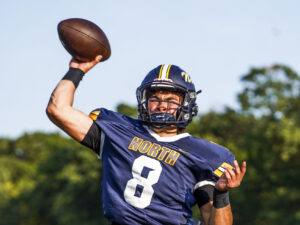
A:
[(148, 179)]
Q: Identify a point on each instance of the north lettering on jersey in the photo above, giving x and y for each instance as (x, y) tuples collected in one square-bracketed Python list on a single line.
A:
[(162, 153)]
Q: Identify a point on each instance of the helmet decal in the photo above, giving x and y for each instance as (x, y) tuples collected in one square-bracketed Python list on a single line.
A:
[(186, 77), (164, 72)]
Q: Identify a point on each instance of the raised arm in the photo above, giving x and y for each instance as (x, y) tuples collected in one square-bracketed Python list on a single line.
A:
[(60, 107)]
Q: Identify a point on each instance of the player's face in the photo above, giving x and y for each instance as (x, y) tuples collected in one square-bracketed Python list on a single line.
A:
[(158, 104)]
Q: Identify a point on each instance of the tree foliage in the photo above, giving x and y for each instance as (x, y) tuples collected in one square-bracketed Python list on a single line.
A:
[(272, 91), (127, 110), (265, 133), (48, 179)]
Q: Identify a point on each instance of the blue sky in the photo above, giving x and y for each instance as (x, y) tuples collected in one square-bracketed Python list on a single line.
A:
[(216, 42)]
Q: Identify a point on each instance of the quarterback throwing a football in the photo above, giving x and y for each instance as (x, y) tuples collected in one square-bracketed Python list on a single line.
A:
[(153, 171)]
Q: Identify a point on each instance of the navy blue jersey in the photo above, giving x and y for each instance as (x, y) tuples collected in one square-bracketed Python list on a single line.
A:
[(148, 179)]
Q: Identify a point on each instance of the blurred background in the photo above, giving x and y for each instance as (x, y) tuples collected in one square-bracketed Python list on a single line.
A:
[(244, 56)]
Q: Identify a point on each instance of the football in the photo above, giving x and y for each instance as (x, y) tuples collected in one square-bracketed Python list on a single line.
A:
[(83, 39)]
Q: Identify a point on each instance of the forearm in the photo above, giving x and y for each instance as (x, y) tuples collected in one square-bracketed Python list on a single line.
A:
[(221, 216), (221, 211), (62, 114), (62, 96), (206, 211)]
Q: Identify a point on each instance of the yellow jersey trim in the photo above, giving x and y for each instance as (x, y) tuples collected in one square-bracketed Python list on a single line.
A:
[(219, 172)]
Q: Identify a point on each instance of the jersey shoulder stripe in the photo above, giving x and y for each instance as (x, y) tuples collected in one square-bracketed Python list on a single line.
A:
[(94, 114), (221, 169)]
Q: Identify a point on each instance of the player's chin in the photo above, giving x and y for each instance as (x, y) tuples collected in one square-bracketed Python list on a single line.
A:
[(167, 129)]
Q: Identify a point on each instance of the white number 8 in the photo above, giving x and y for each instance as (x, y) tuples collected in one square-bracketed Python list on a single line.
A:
[(144, 199)]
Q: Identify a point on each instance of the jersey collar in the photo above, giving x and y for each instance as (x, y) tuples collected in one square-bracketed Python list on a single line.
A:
[(166, 139)]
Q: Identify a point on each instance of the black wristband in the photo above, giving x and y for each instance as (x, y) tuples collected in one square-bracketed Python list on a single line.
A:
[(221, 199), (75, 75)]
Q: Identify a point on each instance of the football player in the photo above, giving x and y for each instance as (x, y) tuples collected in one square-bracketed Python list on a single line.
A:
[(153, 171)]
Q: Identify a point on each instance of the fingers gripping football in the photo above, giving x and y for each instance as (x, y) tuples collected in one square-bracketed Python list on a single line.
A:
[(85, 66)]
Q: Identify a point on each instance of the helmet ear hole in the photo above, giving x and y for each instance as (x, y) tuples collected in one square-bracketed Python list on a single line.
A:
[(186, 116), (195, 110)]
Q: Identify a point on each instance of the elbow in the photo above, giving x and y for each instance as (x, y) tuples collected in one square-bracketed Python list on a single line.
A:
[(49, 110), (57, 113), (52, 112)]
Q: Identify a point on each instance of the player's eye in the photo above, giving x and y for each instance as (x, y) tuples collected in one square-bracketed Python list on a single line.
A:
[(154, 98)]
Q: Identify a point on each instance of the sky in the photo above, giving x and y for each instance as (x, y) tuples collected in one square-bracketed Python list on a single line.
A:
[(216, 42)]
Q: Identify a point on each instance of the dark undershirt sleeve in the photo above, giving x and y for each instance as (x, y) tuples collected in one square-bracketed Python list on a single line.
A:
[(204, 194), (92, 138)]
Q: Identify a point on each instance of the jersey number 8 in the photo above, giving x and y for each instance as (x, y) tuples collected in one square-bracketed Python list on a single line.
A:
[(145, 197)]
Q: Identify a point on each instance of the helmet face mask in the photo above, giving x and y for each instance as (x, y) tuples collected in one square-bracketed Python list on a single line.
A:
[(167, 78), (163, 112)]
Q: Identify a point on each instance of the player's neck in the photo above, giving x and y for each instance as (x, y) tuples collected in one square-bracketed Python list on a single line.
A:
[(165, 132)]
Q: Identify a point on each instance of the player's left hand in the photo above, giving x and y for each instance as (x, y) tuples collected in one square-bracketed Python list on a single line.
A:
[(231, 178)]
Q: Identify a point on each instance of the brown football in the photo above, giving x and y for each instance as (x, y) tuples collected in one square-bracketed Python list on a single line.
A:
[(83, 39)]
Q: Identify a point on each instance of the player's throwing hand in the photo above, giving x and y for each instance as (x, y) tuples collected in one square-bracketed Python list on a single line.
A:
[(85, 66)]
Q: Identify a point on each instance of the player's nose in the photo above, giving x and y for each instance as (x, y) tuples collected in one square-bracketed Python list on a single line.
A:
[(162, 107)]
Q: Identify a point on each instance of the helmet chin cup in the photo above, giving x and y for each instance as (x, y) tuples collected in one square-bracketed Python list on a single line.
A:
[(162, 117), (161, 120)]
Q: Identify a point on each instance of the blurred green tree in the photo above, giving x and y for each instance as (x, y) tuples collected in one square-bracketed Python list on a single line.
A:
[(271, 91), (265, 133), (273, 95), (49, 179), (127, 110)]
